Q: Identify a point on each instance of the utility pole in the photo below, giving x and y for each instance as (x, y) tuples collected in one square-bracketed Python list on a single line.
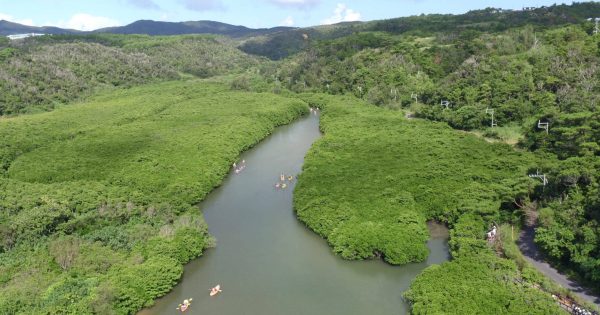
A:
[(491, 111), (394, 93), (415, 96), (540, 176)]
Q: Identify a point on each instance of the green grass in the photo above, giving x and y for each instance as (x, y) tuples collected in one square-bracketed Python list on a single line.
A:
[(97, 199), (511, 134)]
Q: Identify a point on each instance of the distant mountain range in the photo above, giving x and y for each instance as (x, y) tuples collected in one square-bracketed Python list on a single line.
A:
[(149, 27), (10, 28)]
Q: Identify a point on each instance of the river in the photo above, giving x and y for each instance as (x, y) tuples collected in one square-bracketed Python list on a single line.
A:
[(267, 262)]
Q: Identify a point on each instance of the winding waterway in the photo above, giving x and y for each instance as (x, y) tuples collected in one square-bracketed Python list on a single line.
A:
[(267, 262)]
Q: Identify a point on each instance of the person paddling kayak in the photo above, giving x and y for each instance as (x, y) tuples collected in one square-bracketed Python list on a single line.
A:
[(185, 305), (214, 291)]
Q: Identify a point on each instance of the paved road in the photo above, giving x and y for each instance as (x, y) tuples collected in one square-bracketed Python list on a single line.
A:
[(535, 257)]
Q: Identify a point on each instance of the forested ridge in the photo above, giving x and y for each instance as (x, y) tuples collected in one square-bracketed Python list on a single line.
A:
[(38, 74), (86, 208), (284, 44)]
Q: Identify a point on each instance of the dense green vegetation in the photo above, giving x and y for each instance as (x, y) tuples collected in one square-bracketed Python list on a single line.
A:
[(372, 181), (43, 72), (540, 71), (569, 216), (97, 200), (523, 74), (95, 195), (284, 44)]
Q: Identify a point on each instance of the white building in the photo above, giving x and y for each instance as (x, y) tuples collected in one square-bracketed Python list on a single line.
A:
[(21, 36)]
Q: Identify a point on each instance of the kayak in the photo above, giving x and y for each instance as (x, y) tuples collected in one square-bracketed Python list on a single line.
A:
[(214, 291), (185, 305)]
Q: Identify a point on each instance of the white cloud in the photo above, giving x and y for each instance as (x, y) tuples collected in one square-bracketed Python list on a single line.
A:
[(10, 18), (288, 21), (203, 5), (86, 22), (342, 14), (144, 4), (301, 4)]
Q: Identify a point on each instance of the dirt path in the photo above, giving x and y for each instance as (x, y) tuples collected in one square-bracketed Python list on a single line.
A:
[(535, 257)]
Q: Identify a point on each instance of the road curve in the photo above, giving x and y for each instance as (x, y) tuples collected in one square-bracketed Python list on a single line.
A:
[(535, 257)]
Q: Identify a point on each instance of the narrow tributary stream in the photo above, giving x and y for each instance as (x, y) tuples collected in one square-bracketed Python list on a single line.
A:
[(268, 262)]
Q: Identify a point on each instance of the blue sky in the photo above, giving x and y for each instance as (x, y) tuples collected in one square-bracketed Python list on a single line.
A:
[(88, 14)]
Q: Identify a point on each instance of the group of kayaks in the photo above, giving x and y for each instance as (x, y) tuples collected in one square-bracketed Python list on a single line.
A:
[(217, 289), (188, 302), (282, 184)]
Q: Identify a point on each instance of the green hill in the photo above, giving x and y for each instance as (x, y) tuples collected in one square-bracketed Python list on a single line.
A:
[(41, 73), (149, 27), (491, 20)]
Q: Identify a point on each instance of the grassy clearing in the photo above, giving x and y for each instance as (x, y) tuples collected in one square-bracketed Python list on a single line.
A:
[(507, 134), (97, 200)]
